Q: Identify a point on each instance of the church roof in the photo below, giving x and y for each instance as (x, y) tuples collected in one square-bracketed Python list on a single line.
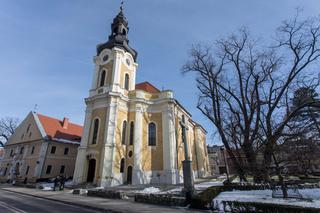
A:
[(148, 87), (61, 130)]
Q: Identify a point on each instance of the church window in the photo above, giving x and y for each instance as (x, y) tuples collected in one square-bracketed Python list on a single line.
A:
[(122, 165), (95, 131), (105, 58), (130, 154), (126, 81), (152, 131), (131, 133), (102, 78), (123, 135), (124, 32)]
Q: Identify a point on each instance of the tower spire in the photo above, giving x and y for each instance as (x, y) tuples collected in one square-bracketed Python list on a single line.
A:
[(119, 34), (121, 6)]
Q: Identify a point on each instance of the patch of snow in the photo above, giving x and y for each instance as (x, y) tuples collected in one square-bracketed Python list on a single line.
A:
[(47, 188), (205, 185), (150, 190), (265, 196)]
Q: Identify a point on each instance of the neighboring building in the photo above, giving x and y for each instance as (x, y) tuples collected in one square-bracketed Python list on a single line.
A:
[(1, 152), (132, 132), (216, 160), (41, 147)]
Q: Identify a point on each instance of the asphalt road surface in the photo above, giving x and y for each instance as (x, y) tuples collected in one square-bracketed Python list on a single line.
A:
[(16, 203)]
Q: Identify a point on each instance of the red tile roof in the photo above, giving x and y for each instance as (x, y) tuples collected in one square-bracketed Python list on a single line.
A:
[(146, 86), (55, 129)]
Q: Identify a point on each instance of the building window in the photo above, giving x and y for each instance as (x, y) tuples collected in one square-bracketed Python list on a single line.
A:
[(5, 171), (131, 133), (66, 151), (32, 150), (27, 170), (126, 81), (62, 168), (102, 78), (22, 136), (30, 134), (21, 150), (152, 131), (122, 165), (95, 131), (11, 153), (28, 128), (123, 135), (48, 171), (53, 150)]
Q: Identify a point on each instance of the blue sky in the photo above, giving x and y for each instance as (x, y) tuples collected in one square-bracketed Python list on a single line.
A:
[(47, 47)]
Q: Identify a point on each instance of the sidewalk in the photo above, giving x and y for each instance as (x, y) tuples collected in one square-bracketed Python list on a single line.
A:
[(101, 204)]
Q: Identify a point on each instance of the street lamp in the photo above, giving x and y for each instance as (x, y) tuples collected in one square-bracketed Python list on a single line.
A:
[(225, 163)]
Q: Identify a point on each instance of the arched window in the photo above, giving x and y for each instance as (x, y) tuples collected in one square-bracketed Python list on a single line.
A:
[(95, 131), (123, 135), (131, 133), (126, 81), (102, 78), (152, 132), (122, 165)]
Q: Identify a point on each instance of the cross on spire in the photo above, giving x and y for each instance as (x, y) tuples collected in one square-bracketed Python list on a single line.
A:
[(121, 6)]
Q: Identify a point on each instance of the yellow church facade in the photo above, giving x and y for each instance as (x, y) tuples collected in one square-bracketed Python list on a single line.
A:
[(131, 131)]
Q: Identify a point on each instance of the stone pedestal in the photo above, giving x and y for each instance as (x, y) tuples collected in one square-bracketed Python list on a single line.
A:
[(188, 180)]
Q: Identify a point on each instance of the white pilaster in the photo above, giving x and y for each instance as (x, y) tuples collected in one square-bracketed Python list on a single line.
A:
[(80, 171), (169, 146), (137, 169), (108, 155), (95, 76), (116, 70), (41, 159)]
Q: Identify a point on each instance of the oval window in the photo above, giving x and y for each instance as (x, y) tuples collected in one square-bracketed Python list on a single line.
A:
[(105, 58)]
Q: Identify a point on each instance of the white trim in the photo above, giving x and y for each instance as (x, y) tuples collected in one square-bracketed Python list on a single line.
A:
[(65, 141), (39, 125)]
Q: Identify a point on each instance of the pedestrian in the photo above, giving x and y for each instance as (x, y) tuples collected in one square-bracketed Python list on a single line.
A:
[(62, 181), (55, 183)]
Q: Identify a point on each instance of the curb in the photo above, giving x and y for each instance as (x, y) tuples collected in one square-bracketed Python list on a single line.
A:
[(67, 202)]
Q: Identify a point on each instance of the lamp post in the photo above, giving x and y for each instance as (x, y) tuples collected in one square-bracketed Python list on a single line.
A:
[(187, 164), (225, 163)]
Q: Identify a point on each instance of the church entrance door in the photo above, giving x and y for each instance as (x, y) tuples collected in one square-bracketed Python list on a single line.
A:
[(129, 175), (91, 170)]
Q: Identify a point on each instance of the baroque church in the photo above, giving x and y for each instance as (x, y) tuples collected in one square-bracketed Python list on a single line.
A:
[(132, 132)]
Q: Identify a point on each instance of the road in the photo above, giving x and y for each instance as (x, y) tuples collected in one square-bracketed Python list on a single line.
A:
[(16, 203)]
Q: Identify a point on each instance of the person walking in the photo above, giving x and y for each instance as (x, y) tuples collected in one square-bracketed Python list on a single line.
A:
[(55, 183), (62, 182)]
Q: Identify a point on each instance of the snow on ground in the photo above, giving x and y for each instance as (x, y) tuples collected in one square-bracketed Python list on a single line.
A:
[(205, 185), (265, 196), (45, 186), (149, 190)]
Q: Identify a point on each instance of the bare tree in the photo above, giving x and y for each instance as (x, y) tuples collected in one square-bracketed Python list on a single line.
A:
[(245, 89), (7, 128)]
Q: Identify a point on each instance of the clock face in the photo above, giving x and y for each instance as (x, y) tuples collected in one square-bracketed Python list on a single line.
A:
[(105, 58), (128, 61)]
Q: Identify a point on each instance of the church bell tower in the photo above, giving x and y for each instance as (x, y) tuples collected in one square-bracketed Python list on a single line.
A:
[(113, 77)]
